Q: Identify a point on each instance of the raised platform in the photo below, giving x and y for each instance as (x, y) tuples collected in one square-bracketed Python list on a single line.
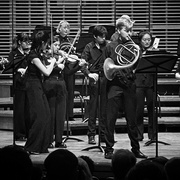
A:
[(78, 127)]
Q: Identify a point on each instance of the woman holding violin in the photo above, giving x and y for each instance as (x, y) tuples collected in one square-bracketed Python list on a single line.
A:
[(18, 65), (71, 67), (37, 107), (55, 89)]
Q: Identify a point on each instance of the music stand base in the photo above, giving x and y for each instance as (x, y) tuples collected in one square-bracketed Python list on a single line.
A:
[(154, 141), (94, 147), (71, 138)]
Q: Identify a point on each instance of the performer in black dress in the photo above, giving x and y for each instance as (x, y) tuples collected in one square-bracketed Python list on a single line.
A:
[(17, 65), (121, 92), (144, 90), (37, 107)]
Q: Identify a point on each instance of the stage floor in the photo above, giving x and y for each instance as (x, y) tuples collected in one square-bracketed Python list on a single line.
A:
[(102, 165)]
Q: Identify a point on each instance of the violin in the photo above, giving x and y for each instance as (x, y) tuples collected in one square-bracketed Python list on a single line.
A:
[(73, 58), (62, 56)]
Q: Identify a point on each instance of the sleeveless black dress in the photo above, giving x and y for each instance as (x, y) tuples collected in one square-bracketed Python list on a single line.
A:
[(37, 110)]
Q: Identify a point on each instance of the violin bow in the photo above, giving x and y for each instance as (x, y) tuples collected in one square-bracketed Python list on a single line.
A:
[(78, 33), (52, 53)]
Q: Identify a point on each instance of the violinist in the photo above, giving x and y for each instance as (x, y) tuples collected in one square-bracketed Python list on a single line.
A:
[(56, 93), (18, 65), (63, 30), (37, 107)]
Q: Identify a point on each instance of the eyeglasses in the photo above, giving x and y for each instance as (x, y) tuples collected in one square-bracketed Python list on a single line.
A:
[(101, 37), (27, 42), (146, 39)]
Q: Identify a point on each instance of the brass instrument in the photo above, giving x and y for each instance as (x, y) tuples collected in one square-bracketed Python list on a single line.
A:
[(127, 56)]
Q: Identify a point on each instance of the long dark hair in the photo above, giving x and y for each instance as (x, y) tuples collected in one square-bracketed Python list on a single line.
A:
[(19, 37), (38, 39)]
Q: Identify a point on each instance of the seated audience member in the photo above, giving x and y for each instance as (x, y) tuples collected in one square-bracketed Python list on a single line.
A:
[(160, 160), (122, 161), (91, 166), (84, 171), (172, 168), (61, 164), (146, 170), (15, 163)]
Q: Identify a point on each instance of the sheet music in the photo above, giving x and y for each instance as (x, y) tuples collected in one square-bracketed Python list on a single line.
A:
[(155, 43)]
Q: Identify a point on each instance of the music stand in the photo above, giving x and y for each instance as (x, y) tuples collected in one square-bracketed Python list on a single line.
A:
[(99, 115), (67, 134), (156, 62)]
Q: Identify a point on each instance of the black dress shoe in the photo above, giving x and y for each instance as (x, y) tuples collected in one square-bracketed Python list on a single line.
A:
[(139, 154), (60, 145), (91, 140), (51, 146), (108, 155)]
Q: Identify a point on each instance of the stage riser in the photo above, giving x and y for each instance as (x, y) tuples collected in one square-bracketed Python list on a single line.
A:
[(77, 127)]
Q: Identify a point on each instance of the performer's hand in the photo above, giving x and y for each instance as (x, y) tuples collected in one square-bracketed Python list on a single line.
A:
[(22, 71), (82, 62), (177, 75), (60, 60), (53, 60), (61, 66), (94, 76)]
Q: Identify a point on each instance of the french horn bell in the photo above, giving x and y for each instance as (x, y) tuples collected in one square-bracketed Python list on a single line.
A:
[(127, 56)]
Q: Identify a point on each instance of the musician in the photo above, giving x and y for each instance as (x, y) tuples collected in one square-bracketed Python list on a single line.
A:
[(37, 108), (115, 36), (17, 64), (144, 90), (93, 54), (63, 31), (121, 93), (55, 89)]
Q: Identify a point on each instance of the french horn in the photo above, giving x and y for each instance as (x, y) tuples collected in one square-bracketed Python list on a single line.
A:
[(127, 56)]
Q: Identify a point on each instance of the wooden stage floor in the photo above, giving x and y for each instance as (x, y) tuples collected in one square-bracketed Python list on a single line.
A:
[(102, 165)]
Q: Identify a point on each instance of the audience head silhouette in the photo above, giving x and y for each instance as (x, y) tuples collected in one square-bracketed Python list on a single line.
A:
[(146, 170), (122, 161), (15, 163), (61, 164), (160, 160), (90, 163), (172, 168)]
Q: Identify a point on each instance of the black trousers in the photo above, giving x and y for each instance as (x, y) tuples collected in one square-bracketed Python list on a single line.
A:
[(127, 101), (94, 90), (57, 98), (147, 93), (20, 129)]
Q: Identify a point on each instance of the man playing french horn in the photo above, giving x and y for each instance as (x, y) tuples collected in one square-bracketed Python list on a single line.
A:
[(121, 87)]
